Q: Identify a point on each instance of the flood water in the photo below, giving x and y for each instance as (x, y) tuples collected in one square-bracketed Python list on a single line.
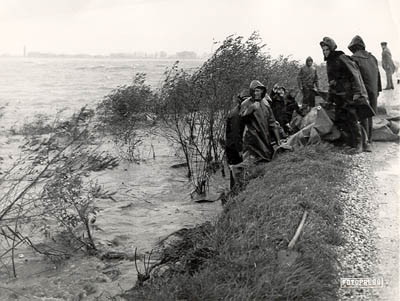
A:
[(150, 199)]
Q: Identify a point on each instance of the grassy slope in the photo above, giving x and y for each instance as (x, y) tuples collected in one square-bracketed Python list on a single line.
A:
[(238, 254)]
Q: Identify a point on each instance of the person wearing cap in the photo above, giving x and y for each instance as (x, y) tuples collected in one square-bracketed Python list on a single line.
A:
[(347, 92), (368, 66), (388, 65), (307, 81), (259, 122)]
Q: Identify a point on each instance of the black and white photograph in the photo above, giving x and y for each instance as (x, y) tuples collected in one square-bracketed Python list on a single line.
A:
[(199, 150)]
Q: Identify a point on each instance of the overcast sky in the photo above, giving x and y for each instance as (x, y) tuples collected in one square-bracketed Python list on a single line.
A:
[(289, 27)]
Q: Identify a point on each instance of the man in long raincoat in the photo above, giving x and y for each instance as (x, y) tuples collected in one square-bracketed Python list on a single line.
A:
[(369, 70), (347, 92), (259, 123)]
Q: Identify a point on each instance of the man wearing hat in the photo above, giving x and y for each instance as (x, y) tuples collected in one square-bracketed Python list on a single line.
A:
[(387, 65), (347, 92)]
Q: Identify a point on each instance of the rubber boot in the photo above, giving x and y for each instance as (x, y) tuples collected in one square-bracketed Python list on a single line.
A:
[(356, 130), (365, 144), (367, 148)]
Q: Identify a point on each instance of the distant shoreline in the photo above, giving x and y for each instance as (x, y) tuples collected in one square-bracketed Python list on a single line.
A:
[(103, 57)]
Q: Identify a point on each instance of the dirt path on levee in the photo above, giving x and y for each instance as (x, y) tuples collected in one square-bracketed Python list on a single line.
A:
[(387, 184)]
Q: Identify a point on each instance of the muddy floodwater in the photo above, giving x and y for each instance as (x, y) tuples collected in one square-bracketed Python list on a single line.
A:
[(149, 199)]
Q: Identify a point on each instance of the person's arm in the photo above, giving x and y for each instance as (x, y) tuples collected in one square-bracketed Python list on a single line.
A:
[(276, 134), (299, 79), (316, 79), (273, 126)]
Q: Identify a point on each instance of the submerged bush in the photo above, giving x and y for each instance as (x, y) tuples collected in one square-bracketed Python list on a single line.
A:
[(127, 104), (195, 106), (123, 111), (40, 125)]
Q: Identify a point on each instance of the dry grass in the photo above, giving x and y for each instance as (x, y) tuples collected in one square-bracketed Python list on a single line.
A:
[(241, 248)]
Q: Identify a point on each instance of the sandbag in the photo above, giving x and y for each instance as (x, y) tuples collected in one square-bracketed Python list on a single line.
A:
[(379, 122), (314, 138), (393, 118), (381, 110), (384, 134), (323, 124), (333, 135), (394, 126), (299, 139), (311, 117)]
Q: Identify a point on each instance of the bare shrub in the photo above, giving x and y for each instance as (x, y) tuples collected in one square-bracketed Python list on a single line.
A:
[(46, 192), (123, 111), (194, 106)]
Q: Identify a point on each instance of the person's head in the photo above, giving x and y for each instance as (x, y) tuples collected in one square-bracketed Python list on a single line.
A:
[(244, 94), (356, 44), (326, 51), (281, 91), (384, 45), (293, 92), (261, 90), (328, 45), (236, 101), (258, 93), (239, 98), (309, 61)]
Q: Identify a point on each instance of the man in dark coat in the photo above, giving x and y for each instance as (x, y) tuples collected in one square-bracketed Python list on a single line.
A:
[(369, 70), (387, 65), (347, 92), (259, 123), (233, 136), (278, 107), (307, 80), (234, 130)]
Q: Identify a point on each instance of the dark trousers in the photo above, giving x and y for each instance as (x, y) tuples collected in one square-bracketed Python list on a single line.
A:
[(346, 119), (309, 97), (367, 122), (389, 79)]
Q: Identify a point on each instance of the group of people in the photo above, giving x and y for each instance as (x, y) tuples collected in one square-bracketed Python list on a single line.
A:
[(257, 119)]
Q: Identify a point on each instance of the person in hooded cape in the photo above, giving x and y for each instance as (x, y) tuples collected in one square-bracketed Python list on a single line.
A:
[(307, 81), (368, 66), (347, 92), (259, 122)]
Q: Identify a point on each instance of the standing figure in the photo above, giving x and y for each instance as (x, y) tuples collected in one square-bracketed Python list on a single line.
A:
[(234, 130), (369, 70), (387, 65), (259, 121), (307, 80), (346, 91), (233, 135)]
